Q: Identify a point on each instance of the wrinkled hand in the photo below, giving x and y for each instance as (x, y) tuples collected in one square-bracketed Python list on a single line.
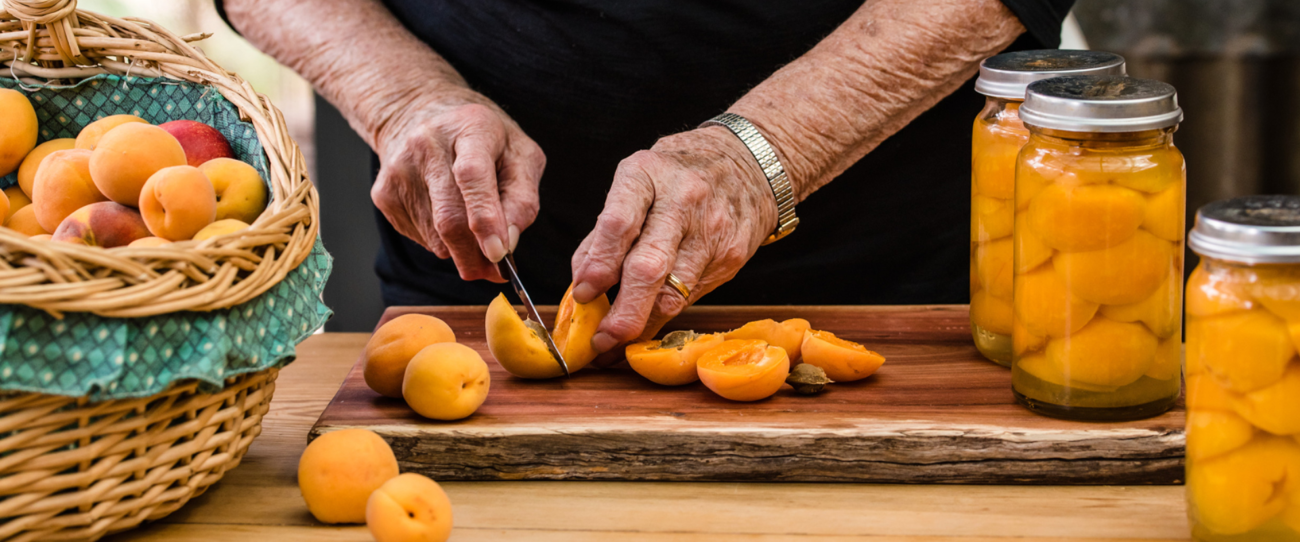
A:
[(460, 178), (696, 205)]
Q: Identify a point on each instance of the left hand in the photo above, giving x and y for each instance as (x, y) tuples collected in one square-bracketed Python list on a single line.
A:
[(697, 205)]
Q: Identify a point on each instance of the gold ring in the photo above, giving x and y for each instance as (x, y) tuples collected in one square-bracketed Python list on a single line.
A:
[(678, 285)]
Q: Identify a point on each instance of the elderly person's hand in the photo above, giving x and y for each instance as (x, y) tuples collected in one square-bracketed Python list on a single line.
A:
[(696, 205)]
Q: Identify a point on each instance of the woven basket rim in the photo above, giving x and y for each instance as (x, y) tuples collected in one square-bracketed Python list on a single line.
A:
[(51, 41)]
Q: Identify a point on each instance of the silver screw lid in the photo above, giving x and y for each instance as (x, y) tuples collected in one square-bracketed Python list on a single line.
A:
[(1101, 103), (1253, 229), (1008, 74)]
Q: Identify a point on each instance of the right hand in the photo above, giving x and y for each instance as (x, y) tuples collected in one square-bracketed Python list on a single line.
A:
[(460, 178)]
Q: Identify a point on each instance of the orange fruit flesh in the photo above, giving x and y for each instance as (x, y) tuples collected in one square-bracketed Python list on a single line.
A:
[(670, 365), (843, 361), (744, 370)]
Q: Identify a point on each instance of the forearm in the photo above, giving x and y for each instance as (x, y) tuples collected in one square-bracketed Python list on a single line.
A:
[(891, 61), (354, 52)]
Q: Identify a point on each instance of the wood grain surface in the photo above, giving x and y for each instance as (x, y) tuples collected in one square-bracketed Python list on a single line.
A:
[(935, 413)]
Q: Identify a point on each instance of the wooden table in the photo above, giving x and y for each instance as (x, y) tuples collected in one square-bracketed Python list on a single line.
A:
[(260, 499)]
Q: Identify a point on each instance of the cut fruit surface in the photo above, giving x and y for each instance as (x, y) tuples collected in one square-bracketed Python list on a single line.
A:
[(787, 334), (744, 370), (843, 361), (671, 360)]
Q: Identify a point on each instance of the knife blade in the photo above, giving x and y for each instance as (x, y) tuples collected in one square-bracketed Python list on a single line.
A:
[(511, 272)]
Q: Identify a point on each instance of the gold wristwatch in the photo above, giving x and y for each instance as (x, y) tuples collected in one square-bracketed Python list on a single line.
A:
[(772, 169)]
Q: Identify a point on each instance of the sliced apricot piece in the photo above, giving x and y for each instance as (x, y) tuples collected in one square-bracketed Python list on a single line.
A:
[(1205, 393), (1046, 307), (990, 218), (1104, 353), (1275, 408), (1125, 273), (520, 349), (1211, 293), (990, 313), (744, 370), (575, 325), (1031, 252), (1160, 311), (1239, 491), (1088, 217), (1213, 433), (995, 267), (787, 334), (1245, 351), (1023, 340), (1165, 213), (1042, 369), (843, 361), (671, 360)]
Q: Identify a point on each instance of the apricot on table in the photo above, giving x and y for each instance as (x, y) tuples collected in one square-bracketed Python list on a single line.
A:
[(21, 126), (1125, 273), (89, 136), (744, 369), (1088, 217), (1275, 408), (17, 200), (1239, 491), (1211, 293), (392, 346), (517, 344), (1161, 311), (24, 222), (995, 267), (1104, 353), (177, 202), (128, 156), (241, 193), (103, 224), (446, 381), (787, 334), (1212, 433), (671, 360), (1046, 307), (339, 470), (843, 361), (1246, 350), (409, 508), (63, 185), (220, 227), (990, 313), (31, 164)]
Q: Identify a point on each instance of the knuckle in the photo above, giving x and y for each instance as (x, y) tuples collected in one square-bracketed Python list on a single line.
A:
[(609, 221), (648, 266), (695, 190), (623, 327), (670, 304), (447, 221), (470, 169)]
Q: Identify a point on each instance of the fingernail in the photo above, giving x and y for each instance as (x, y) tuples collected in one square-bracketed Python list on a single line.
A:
[(584, 293), (493, 249), (603, 343), (514, 237)]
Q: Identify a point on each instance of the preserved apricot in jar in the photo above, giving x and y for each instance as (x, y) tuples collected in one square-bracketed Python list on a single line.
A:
[(1125, 273)]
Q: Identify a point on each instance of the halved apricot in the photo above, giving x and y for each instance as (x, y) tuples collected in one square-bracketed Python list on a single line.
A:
[(1104, 353), (1046, 308), (1088, 217), (671, 360), (744, 370), (993, 160), (1204, 393), (575, 325), (1023, 340), (1030, 252), (1275, 408), (994, 266), (1161, 311), (1278, 289), (1124, 273), (1213, 433), (787, 334), (1169, 359), (1041, 368), (1245, 351), (990, 218), (1165, 213), (1039, 168), (1239, 491), (1215, 292), (843, 361), (1151, 173), (520, 349), (990, 313)]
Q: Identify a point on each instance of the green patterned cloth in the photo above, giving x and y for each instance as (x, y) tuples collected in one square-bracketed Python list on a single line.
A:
[(115, 358)]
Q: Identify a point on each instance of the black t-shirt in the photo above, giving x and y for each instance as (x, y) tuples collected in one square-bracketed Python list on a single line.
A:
[(594, 81)]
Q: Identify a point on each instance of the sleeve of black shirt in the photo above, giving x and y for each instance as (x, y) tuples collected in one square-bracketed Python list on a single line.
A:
[(1042, 18)]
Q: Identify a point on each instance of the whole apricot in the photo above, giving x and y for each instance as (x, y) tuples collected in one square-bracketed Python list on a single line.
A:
[(787, 334), (1245, 351), (1239, 491), (1275, 408), (104, 224), (241, 193), (148, 242), (990, 313), (177, 202), (17, 200), (394, 344), (24, 222), (32, 163), (1124, 273), (409, 508), (19, 135), (202, 143), (671, 361), (1213, 433), (220, 227), (843, 361), (744, 370), (1046, 307), (1088, 217), (128, 156), (339, 470), (1104, 353), (89, 136), (446, 381), (62, 186)]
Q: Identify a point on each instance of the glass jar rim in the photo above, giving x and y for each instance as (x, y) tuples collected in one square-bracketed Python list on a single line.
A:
[(1101, 103), (1251, 230), (1008, 75)]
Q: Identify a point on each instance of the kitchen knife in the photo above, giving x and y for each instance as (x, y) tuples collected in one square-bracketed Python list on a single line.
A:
[(510, 271)]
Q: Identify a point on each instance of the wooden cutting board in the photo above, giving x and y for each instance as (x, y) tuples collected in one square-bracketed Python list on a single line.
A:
[(935, 413)]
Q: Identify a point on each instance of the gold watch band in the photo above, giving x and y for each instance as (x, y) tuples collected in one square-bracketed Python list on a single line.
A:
[(786, 221)]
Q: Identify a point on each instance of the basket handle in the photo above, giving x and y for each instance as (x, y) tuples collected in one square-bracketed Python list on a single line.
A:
[(59, 17)]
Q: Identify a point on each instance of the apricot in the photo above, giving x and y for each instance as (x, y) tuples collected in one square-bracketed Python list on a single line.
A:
[(1023, 340), (1245, 351), (1169, 359), (1046, 307), (1089, 217), (104, 224), (202, 143), (1239, 491), (42, 237), (17, 200), (1038, 366), (19, 135), (1031, 252), (446, 381), (744, 370), (671, 361), (89, 136), (1104, 353), (1279, 292), (990, 313), (1211, 293), (1204, 393), (1125, 273), (32, 163), (843, 361), (128, 156), (990, 218), (409, 508), (1034, 173), (787, 334), (4, 204), (1165, 212), (148, 242), (993, 162), (1160, 311), (1275, 408), (575, 325), (177, 202), (24, 222), (517, 344), (241, 193), (62, 186), (392, 346), (1151, 173), (1213, 433), (339, 470), (219, 228), (995, 267)]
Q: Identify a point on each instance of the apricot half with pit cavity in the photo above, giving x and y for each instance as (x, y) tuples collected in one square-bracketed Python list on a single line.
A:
[(843, 361), (787, 334), (517, 344), (671, 361), (744, 370)]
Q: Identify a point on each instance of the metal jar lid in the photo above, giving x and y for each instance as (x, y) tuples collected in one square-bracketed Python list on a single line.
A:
[(1253, 229), (1101, 103), (1008, 74)]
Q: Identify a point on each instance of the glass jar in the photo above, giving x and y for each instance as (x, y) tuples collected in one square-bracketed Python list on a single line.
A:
[(996, 138), (1243, 374), (1098, 249)]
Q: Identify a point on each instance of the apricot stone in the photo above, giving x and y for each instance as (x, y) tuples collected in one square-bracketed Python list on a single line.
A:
[(1245, 351), (177, 202), (19, 135), (89, 136), (24, 222), (671, 361), (744, 370), (241, 193), (339, 470), (128, 156), (63, 185), (17, 200), (1124, 273), (409, 508), (843, 361), (1046, 308), (394, 344), (788, 334), (104, 224), (446, 381), (220, 227), (1104, 353), (1089, 217), (32, 163)]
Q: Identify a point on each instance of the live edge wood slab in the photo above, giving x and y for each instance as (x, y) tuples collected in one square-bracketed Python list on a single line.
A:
[(935, 413)]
